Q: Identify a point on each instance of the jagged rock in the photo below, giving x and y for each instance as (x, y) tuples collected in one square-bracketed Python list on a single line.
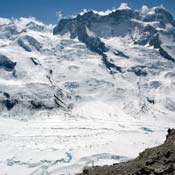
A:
[(152, 101), (33, 42), (117, 23), (110, 66), (119, 53), (90, 27), (7, 95), (165, 54), (10, 103), (77, 27), (156, 42), (146, 34), (95, 45), (138, 70), (40, 105), (124, 14), (6, 63), (28, 42), (33, 26), (90, 19), (9, 30), (23, 45), (163, 16), (160, 15)]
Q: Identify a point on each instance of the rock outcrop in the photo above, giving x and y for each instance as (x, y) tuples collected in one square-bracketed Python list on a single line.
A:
[(91, 28), (6, 63)]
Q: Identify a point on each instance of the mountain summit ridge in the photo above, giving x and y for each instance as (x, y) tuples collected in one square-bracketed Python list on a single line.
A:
[(142, 27)]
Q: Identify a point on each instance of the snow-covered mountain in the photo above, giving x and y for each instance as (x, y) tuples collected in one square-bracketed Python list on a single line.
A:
[(86, 90)]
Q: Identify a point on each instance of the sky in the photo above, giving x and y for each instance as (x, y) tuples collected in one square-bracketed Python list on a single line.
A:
[(45, 10)]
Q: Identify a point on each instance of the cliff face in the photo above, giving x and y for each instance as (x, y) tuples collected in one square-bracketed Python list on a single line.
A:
[(154, 161), (142, 28)]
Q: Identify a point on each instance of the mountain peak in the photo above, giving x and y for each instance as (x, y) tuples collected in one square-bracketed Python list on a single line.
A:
[(123, 6)]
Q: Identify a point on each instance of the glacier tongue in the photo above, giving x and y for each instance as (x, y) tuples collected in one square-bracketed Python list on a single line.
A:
[(99, 91), (60, 143)]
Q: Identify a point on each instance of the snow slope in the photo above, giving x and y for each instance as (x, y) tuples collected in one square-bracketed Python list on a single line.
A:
[(93, 93)]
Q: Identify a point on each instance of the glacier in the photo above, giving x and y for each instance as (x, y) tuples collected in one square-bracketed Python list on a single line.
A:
[(95, 89)]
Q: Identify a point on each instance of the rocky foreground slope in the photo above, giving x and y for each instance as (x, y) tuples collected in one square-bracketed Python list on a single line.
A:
[(155, 161)]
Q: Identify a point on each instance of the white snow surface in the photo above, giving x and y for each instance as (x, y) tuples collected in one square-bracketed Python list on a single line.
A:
[(123, 6), (111, 119)]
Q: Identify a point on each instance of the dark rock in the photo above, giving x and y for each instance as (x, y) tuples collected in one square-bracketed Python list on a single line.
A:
[(33, 42), (62, 27), (150, 100), (156, 42), (169, 131), (138, 70), (160, 15), (167, 154), (117, 23), (111, 25), (10, 30), (36, 105), (95, 45), (34, 26), (147, 34), (74, 25), (149, 162), (40, 105), (7, 95), (23, 45), (119, 53), (35, 61), (155, 84), (10, 103), (14, 74), (163, 16), (124, 14), (85, 171), (6, 63), (166, 55), (110, 66), (51, 71)]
